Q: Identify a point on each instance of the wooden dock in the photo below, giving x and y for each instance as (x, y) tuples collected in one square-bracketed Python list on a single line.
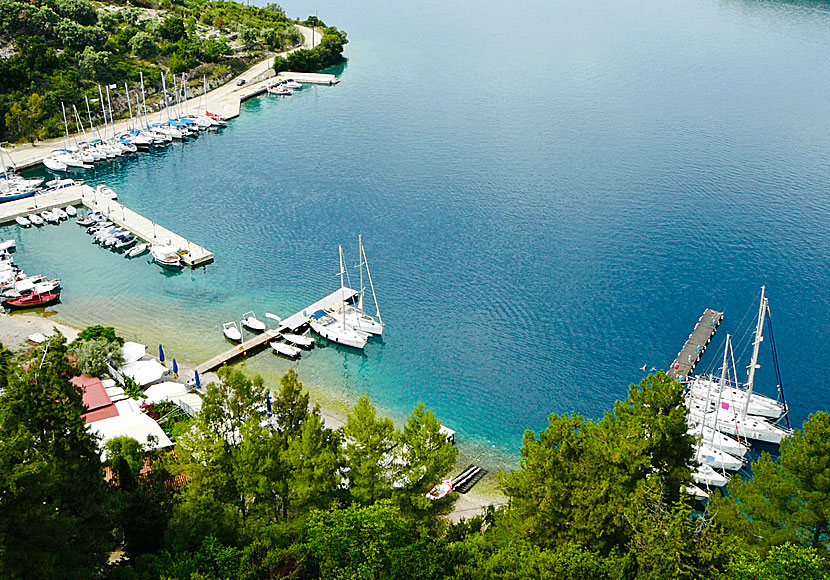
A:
[(292, 323), (696, 344), (142, 227)]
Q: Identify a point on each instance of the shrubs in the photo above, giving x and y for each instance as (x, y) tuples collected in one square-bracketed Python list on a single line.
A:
[(328, 53)]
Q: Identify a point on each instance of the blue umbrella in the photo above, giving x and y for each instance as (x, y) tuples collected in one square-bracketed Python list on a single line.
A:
[(175, 367), (161, 353), (268, 402), (196, 376)]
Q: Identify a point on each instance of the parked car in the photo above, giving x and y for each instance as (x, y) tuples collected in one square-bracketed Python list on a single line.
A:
[(240, 82)]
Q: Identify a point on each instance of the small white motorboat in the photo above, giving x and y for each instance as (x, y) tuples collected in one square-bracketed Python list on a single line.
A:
[(106, 192), (48, 216), (439, 490), (60, 214), (285, 349), (22, 221), (8, 245), (300, 340), (232, 331), (137, 250), (71, 211), (167, 256), (36, 219), (251, 322), (292, 84)]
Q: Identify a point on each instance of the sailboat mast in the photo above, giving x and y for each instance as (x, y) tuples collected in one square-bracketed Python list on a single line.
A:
[(360, 265), (371, 284), (103, 109), (756, 347), (66, 127), (143, 100), (89, 116), (166, 100), (112, 121), (129, 104), (342, 285), (724, 369), (80, 123)]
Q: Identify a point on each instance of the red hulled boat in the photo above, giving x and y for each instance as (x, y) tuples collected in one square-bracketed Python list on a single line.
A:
[(32, 300)]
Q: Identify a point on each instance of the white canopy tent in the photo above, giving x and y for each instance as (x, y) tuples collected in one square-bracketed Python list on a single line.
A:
[(132, 351), (144, 372), (138, 426), (163, 392)]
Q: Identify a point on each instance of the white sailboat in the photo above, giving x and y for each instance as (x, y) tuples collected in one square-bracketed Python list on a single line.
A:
[(705, 390), (330, 328), (355, 315)]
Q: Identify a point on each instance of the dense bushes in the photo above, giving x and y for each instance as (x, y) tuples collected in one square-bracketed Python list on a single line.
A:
[(328, 53)]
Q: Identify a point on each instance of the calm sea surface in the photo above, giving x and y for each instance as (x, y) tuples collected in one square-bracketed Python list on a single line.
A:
[(550, 194)]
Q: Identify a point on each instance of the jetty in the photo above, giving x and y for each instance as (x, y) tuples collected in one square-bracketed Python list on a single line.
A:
[(696, 344), (292, 323), (117, 213)]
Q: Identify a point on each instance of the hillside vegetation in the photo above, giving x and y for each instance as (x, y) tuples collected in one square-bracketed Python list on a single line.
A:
[(59, 50), (243, 497)]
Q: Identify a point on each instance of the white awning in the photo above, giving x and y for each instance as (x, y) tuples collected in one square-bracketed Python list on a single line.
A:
[(144, 372), (139, 427), (132, 351), (163, 392), (190, 403)]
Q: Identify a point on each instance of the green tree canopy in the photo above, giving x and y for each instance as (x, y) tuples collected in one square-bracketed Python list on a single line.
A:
[(369, 445)]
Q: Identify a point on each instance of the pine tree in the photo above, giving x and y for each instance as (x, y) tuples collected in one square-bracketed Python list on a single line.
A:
[(369, 445)]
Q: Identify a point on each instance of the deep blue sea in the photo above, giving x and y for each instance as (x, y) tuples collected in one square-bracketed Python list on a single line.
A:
[(550, 194)]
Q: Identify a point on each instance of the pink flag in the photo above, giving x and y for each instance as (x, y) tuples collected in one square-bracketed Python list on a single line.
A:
[(724, 405)]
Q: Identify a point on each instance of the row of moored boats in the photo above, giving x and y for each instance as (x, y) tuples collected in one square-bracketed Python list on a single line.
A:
[(18, 290), (287, 344), (726, 416), (282, 87)]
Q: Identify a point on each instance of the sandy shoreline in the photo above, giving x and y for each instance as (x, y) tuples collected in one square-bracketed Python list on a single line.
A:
[(15, 328)]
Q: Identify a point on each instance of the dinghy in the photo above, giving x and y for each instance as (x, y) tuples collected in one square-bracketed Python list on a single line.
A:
[(300, 340), (251, 322), (138, 250), (71, 211), (285, 349), (232, 331)]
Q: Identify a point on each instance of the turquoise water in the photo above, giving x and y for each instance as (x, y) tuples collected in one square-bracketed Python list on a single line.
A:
[(550, 194)]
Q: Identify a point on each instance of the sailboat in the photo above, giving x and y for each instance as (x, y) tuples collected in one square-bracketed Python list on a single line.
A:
[(728, 418), (355, 316), (330, 328)]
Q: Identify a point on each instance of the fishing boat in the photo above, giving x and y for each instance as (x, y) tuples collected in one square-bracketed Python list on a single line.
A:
[(232, 332), (71, 211), (22, 221), (251, 322), (285, 349), (300, 340), (166, 256), (138, 250), (32, 300)]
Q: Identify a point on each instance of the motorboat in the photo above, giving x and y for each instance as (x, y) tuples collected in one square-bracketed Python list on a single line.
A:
[(32, 300), (105, 191), (71, 211), (331, 329), (60, 214), (440, 490), (292, 84), (8, 246), (36, 219), (22, 221), (232, 332), (300, 340), (285, 349), (125, 242), (251, 322), (49, 217), (138, 250), (279, 90), (166, 256)]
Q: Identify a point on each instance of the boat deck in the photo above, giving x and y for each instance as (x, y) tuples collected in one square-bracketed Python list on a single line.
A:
[(695, 346), (293, 322)]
